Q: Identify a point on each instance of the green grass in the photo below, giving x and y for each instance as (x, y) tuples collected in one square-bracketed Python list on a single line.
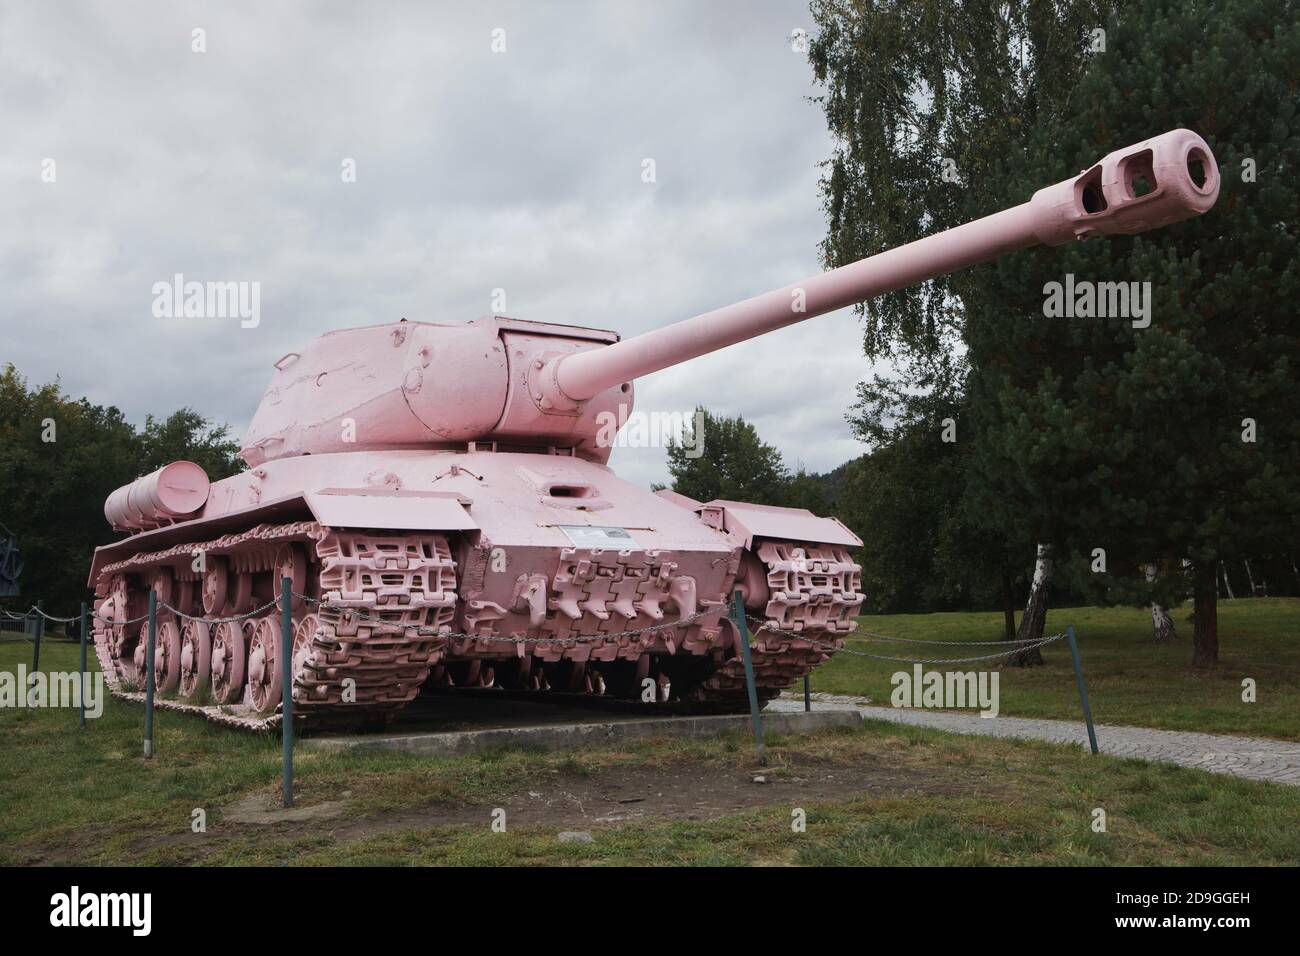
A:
[(1131, 679), (70, 796)]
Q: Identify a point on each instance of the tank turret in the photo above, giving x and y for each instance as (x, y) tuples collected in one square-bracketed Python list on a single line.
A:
[(423, 385), (439, 498)]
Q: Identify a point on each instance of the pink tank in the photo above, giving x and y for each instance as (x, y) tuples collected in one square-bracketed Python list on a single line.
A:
[(439, 495)]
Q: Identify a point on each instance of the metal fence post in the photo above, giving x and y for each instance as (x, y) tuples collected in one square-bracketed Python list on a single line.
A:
[(1083, 689), (84, 678), (38, 631), (286, 693), (738, 615), (148, 675)]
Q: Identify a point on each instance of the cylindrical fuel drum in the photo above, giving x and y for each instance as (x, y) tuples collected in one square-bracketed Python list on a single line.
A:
[(173, 491)]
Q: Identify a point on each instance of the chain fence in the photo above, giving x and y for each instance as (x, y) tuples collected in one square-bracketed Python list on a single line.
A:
[(256, 612), (1021, 644), (750, 628), (758, 626)]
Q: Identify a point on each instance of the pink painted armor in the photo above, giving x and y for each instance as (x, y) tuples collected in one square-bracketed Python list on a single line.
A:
[(439, 495)]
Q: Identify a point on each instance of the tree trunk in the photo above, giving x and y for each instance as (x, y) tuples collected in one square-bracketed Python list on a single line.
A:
[(1161, 622), (1008, 608), (1031, 625), (1227, 584), (1205, 617)]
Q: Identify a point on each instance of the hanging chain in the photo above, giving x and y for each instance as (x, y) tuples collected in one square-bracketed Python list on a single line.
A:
[(1021, 644), (1024, 646)]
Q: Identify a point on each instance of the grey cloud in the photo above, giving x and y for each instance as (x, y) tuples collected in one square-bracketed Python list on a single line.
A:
[(475, 171)]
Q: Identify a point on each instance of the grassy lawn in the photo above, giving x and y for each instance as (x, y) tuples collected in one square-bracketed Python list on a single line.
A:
[(1131, 679), (880, 795)]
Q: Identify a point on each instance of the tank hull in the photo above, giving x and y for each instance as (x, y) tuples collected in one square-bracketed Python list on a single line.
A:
[(423, 569), (438, 495)]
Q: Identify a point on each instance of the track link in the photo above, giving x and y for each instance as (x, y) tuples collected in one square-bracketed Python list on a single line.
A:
[(386, 601)]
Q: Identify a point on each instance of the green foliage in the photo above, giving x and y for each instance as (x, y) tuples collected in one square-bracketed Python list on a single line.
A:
[(726, 460), (60, 458), (817, 493), (185, 434), (1085, 433), (925, 98), (907, 501), (911, 85), (1094, 433)]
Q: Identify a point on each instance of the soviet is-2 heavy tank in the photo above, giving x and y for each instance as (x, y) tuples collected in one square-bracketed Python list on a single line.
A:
[(438, 495)]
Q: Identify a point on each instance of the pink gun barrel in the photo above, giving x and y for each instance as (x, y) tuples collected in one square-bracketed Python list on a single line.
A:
[(1160, 181)]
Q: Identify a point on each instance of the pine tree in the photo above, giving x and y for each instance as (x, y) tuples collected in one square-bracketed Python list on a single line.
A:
[(1178, 440)]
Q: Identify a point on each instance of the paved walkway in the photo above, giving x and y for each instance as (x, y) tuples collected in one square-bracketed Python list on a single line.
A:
[(1254, 757)]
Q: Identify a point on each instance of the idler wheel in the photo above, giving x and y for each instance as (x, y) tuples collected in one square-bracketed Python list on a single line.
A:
[(196, 659), (121, 638), (167, 657), (227, 662), (118, 645), (304, 632), (752, 582), (216, 583), (140, 656), (264, 675), (291, 563)]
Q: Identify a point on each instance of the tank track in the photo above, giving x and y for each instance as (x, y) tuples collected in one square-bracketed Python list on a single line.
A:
[(376, 621), (384, 601), (814, 594)]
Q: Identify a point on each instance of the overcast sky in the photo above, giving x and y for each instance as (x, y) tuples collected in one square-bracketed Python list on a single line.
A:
[(475, 170)]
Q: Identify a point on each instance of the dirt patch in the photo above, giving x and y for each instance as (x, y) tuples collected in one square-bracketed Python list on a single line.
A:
[(263, 810), (612, 796), (684, 790)]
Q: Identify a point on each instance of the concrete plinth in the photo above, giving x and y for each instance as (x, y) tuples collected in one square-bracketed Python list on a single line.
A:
[(585, 733)]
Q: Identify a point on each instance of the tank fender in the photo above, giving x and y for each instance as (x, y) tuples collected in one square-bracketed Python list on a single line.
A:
[(387, 509), (379, 508), (682, 501), (743, 523)]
